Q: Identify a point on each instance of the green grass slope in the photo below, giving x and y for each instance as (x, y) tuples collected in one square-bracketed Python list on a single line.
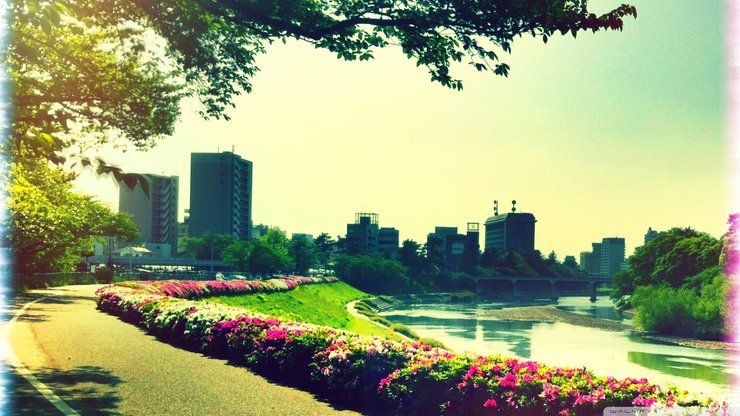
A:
[(322, 304)]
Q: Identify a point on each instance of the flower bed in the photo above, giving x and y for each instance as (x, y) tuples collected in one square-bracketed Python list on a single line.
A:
[(191, 289), (377, 374)]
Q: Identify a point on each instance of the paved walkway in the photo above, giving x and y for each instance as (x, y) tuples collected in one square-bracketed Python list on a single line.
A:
[(99, 365)]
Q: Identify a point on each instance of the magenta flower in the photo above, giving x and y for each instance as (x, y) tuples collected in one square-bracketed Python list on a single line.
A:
[(490, 403)]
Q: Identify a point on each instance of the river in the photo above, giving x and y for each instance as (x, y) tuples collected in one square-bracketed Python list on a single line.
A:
[(463, 327)]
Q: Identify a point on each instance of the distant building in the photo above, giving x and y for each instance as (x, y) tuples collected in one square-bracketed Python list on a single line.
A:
[(512, 231), (450, 246), (605, 259), (591, 261), (259, 230), (472, 238), (612, 256), (154, 210), (362, 236), (388, 242), (307, 237), (650, 234), (220, 194), (183, 232)]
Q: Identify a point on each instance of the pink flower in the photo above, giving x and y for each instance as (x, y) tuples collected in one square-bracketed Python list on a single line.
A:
[(644, 401), (509, 380), (490, 403)]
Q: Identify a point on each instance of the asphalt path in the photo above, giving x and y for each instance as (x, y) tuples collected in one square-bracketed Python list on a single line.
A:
[(99, 365)]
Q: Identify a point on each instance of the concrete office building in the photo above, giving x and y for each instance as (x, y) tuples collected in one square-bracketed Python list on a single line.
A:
[(154, 212), (591, 260), (446, 243), (306, 237), (513, 231), (362, 236), (220, 194), (388, 241)]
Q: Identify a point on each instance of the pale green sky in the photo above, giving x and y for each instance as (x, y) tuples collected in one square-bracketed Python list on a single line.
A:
[(598, 136)]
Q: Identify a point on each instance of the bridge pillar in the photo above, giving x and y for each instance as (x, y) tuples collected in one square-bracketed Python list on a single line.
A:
[(553, 290), (593, 292)]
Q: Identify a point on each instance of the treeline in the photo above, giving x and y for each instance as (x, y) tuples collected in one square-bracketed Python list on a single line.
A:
[(418, 268), (271, 253), (677, 283)]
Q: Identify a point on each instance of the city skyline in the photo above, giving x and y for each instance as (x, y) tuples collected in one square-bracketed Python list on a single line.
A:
[(600, 136)]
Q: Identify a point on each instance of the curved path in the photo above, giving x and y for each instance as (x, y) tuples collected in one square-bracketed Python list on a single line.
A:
[(98, 364)]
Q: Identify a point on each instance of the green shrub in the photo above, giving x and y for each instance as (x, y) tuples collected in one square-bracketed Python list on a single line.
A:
[(434, 343), (403, 329), (682, 311), (379, 319), (664, 310)]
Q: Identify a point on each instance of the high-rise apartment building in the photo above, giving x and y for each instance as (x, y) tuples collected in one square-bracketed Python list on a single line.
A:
[(220, 194), (154, 210), (605, 259), (612, 256)]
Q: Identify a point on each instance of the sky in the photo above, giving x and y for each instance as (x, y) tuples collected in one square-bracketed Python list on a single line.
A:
[(600, 136)]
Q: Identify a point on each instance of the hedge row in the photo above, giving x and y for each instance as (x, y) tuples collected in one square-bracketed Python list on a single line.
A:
[(192, 289), (379, 375)]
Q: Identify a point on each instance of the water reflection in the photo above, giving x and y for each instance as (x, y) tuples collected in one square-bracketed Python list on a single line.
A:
[(709, 369), (465, 327)]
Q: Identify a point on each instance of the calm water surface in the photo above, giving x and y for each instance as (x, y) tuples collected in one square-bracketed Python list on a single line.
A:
[(463, 327)]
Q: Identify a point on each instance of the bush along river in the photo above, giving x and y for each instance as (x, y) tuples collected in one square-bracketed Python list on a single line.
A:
[(573, 332)]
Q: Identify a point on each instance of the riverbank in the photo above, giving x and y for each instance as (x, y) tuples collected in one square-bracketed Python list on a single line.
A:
[(550, 313)]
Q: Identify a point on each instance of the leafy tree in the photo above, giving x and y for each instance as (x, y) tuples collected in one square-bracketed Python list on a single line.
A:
[(489, 258), (263, 260), (51, 226), (303, 253), (688, 257), (657, 261), (374, 274), (410, 256), (276, 240), (324, 247), (238, 254), (469, 261), (570, 262), (435, 253), (729, 258), (513, 264), (209, 245), (552, 258)]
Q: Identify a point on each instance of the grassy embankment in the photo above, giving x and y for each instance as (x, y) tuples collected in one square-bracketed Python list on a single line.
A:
[(323, 304)]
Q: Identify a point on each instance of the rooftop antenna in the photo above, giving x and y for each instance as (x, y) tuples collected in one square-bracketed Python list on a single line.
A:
[(513, 205), (495, 207)]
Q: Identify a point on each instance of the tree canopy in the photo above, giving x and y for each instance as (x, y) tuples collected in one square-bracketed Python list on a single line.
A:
[(118, 68), (51, 226)]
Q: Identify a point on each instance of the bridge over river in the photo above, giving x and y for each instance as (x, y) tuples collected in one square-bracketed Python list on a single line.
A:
[(539, 285)]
